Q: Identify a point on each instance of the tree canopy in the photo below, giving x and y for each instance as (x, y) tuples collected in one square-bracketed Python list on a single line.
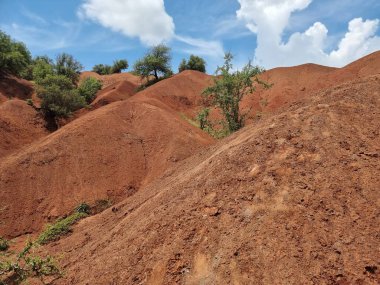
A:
[(14, 56), (67, 65), (194, 63), (155, 63)]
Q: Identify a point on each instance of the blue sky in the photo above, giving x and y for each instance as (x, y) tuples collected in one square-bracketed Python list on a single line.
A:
[(271, 32)]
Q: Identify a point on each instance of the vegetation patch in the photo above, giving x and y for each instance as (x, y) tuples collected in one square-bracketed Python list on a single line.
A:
[(26, 265), (229, 88), (4, 244), (59, 228)]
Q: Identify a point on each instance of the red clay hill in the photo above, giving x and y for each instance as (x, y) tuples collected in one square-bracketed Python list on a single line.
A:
[(107, 154), (291, 200), (293, 83), (20, 125)]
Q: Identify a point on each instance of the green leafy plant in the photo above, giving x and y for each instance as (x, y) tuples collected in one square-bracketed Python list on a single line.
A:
[(88, 88), (67, 65), (4, 244), (119, 65), (155, 63), (59, 96), (14, 56), (194, 63), (27, 265), (229, 89), (83, 208), (59, 228), (102, 69)]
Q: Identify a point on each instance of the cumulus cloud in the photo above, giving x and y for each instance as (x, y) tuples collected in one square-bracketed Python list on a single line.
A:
[(269, 18), (145, 19)]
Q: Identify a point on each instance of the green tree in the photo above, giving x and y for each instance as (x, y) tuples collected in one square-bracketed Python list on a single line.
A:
[(155, 63), (14, 56), (88, 88), (194, 63), (182, 66), (119, 65), (102, 69), (229, 89), (42, 66), (59, 96), (68, 66)]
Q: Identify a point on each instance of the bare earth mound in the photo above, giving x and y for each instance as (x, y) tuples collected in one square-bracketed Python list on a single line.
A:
[(182, 92), (294, 83), (20, 125), (110, 79), (13, 87), (291, 200), (115, 92), (106, 154)]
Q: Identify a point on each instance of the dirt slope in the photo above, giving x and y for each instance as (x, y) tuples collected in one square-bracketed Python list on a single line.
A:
[(115, 92), (293, 83), (182, 92), (291, 200), (106, 154), (13, 87), (110, 79), (20, 125)]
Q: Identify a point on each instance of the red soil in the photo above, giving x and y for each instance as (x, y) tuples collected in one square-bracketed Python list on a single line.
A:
[(115, 92), (108, 80), (293, 83), (20, 125), (291, 200), (106, 154), (13, 87)]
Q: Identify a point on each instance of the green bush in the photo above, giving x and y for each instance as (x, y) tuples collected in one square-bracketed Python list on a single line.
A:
[(88, 88), (59, 228), (102, 69), (83, 208), (119, 65), (194, 63), (4, 244), (42, 67), (59, 96), (14, 56), (229, 89), (67, 65), (25, 266)]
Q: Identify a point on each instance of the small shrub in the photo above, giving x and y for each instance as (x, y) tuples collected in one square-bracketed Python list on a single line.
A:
[(59, 96), (119, 65), (4, 244), (59, 228), (27, 265), (29, 102), (229, 88), (83, 208), (102, 69), (88, 88)]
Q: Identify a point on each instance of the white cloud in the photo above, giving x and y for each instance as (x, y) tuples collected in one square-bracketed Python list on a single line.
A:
[(202, 47), (269, 18), (145, 19), (60, 35)]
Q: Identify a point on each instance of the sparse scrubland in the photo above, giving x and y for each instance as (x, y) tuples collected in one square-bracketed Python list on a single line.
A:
[(188, 178)]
